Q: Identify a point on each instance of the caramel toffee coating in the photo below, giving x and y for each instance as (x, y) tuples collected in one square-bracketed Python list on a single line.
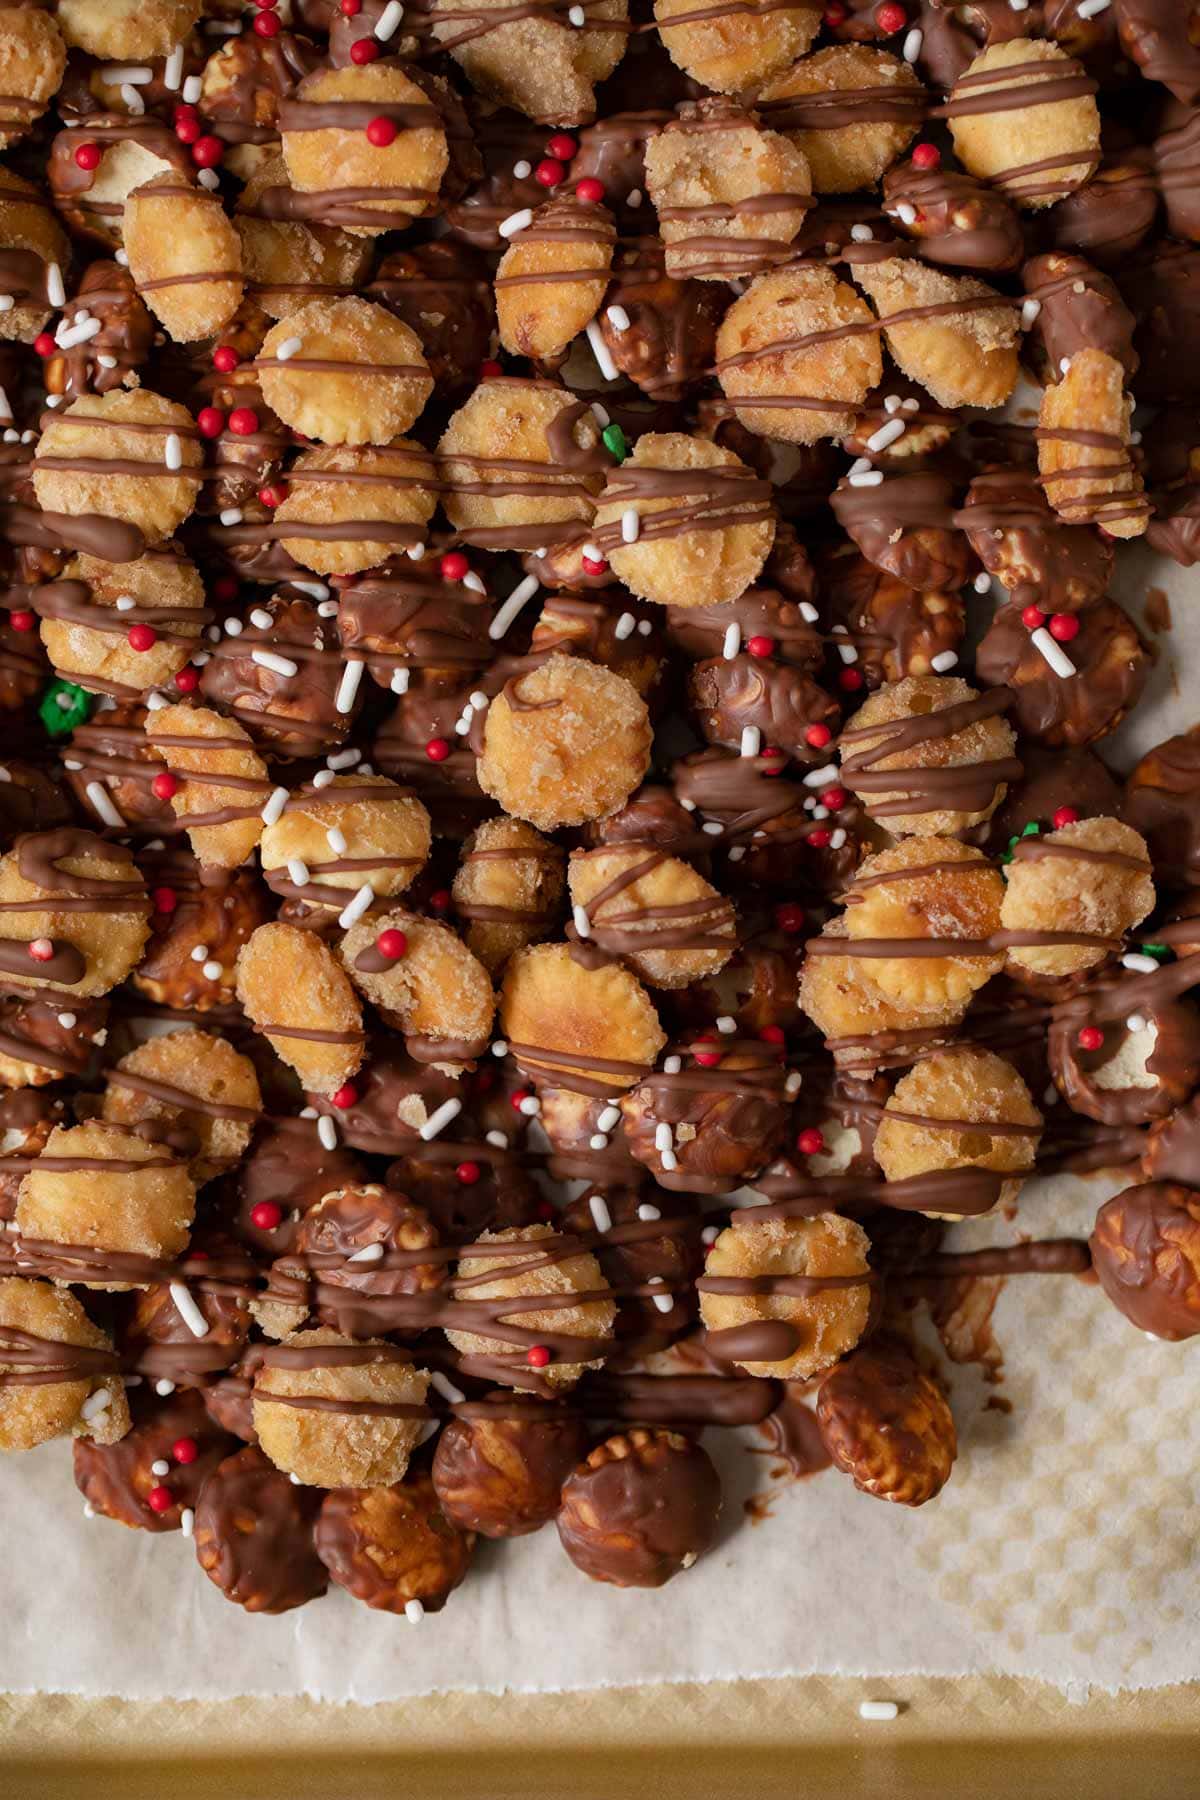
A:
[(254, 1535), (502, 1476), (640, 1508)]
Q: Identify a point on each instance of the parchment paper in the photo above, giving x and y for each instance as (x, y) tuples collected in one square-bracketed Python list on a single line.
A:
[(1065, 1546)]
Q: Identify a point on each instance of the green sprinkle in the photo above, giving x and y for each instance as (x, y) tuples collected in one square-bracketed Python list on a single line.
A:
[(614, 439), (1155, 949), (63, 706), (1030, 830)]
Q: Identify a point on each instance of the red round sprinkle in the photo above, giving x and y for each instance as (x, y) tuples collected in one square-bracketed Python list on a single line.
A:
[(790, 918), (772, 1034), (820, 839), (515, 1099), (561, 147), (243, 421), (185, 1450), (1033, 618), (267, 25), (350, 8), (273, 496), (761, 646), (210, 421), (188, 128), (817, 736), (87, 156), (225, 358), (41, 950), (391, 944), (811, 1142), (142, 637), (775, 755), (44, 344), (437, 749), (165, 899), (926, 156), (266, 1215), (453, 566), (439, 900), (891, 18), (381, 132), (468, 1173), (160, 1499), (364, 51), (489, 369), (537, 1356), (346, 1097), (165, 785), (835, 13), (850, 680), (1066, 815), (708, 1059), (1064, 627), (1090, 1038), (589, 190), (834, 798), (593, 565), (266, 5), (208, 151), (22, 620), (549, 172), (225, 587)]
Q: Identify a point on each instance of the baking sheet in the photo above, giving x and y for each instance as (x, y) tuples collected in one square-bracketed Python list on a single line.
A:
[(1064, 1547)]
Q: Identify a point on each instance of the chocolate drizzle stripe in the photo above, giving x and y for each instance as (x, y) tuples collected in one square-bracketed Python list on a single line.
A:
[(1014, 87)]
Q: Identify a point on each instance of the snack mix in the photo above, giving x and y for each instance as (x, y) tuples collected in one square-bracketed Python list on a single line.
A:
[(522, 921)]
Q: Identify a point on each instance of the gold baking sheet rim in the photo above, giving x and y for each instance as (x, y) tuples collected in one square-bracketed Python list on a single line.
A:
[(978, 1737)]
